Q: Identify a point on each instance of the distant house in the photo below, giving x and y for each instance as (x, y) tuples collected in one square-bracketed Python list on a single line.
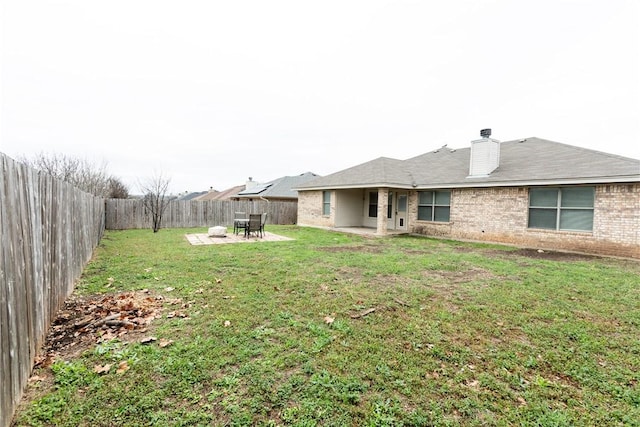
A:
[(190, 196), (528, 192), (227, 194), (278, 189)]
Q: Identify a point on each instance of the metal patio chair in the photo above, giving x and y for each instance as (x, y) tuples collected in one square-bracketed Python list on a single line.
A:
[(263, 221), (240, 221), (254, 225)]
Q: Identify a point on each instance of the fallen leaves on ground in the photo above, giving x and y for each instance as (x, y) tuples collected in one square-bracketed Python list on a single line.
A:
[(148, 340), (473, 383), (363, 313), (85, 321), (179, 314), (122, 367), (165, 343), (102, 369)]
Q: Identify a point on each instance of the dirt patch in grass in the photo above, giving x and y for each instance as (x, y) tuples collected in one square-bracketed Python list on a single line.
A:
[(449, 286), (537, 254), (552, 255), (531, 253), (371, 249), (447, 278), (418, 252), (442, 285), (348, 275)]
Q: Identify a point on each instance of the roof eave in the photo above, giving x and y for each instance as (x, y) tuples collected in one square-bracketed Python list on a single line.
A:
[(536, 182), (355, 186), (482, 183)]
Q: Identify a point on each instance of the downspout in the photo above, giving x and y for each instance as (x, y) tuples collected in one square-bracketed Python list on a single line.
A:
[(268, 202)]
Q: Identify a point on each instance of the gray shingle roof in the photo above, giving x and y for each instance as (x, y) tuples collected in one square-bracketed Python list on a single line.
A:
[(522, 162), (192, 196), (281, 188), (380, 171)]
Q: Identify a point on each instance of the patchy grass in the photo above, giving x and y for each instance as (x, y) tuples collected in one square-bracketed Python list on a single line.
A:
[(462, 333)]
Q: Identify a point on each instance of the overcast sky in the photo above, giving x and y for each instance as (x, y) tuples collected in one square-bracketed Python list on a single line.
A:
[(212, 92)]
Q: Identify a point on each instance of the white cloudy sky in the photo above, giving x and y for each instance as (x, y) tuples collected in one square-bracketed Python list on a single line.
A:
[(212, 92)]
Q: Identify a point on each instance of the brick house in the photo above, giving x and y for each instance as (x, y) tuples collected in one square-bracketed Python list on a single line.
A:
[(529, 192)]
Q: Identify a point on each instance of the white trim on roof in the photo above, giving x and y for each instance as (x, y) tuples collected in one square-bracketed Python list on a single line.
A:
[(531, 183)]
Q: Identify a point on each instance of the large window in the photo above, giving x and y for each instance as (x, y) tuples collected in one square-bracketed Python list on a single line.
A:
[(434, 205), (566, 208), (326, 203), (373, 204)]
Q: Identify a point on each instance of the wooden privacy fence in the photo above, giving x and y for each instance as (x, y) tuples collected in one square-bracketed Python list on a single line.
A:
[(123, 214), (48, 231)]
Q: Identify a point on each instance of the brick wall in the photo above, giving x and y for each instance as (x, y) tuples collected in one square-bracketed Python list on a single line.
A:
[(617, 213), (501, 215), (310, 209), (383, 204)]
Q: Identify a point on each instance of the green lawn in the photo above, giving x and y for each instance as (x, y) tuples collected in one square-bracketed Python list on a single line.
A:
[(462, 334)]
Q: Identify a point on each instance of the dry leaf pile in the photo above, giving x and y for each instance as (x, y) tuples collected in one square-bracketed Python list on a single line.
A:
[(84, 322)]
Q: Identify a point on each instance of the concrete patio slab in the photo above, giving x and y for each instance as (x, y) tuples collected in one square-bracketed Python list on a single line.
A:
[(204, 239)]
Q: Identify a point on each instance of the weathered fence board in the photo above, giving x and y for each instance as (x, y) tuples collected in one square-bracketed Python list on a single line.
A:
[(48, 230), (127, 214)]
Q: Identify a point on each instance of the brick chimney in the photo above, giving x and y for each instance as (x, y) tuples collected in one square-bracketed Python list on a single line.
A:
[(485, 155)]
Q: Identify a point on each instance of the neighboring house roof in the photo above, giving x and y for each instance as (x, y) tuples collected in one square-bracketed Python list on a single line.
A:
[(281, 188), (531, 161), (222, 195), (209, 195), (192, 196)]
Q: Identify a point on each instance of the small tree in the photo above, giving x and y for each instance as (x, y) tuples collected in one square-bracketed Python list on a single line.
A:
[(155, 197)]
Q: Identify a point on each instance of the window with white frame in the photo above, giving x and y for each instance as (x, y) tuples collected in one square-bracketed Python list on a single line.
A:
[(434, 205), (563, 208), (326, 203)]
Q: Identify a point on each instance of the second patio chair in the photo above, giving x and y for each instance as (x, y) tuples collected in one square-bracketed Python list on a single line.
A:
[(239, 221), (254, 225)]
